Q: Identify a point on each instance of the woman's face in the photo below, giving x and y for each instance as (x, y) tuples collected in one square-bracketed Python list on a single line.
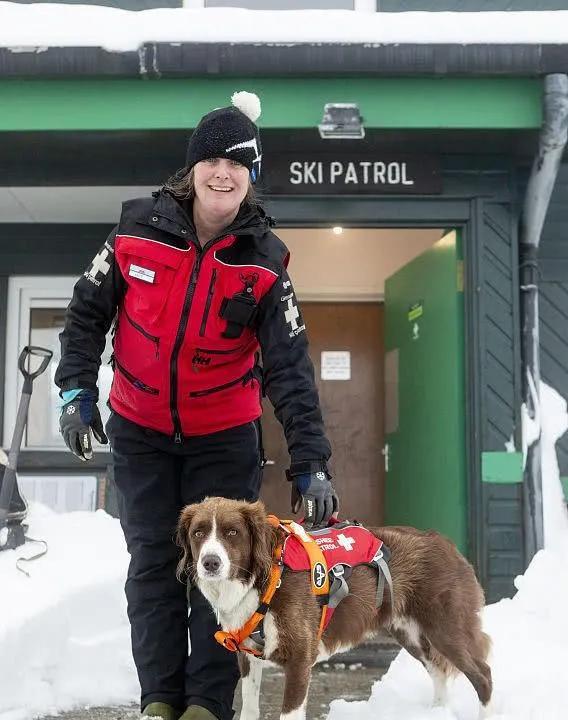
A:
[(220, 186)]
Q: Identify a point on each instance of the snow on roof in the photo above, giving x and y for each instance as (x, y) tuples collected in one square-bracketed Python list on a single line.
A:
[(38, 26)]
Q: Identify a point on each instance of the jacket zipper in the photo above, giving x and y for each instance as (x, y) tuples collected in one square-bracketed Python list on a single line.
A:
[(200, 393), (134, 380), (182, 327), (208, 303), (152, 338), (219, 352)]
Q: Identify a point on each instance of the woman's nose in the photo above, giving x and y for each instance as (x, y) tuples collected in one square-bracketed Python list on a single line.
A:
[(222, 171)]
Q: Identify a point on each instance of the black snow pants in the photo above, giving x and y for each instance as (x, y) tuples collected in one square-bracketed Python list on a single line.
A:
[(155, 479)]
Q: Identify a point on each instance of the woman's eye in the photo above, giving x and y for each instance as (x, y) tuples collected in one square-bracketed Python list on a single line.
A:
[(211, 161), (236, 163)]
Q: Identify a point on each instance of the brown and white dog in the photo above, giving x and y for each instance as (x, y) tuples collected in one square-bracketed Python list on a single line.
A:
[(228, 548)]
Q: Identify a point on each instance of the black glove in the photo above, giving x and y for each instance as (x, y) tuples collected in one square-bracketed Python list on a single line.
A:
[(79, 416), (318, 495)]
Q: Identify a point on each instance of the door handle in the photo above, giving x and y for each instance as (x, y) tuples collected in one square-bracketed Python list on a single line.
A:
[(386, 454)]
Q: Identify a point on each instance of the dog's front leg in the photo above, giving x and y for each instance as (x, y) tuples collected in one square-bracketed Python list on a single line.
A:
[(251, 674), (297, 673)]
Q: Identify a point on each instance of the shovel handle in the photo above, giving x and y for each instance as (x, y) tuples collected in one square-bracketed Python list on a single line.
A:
[(37, 352)]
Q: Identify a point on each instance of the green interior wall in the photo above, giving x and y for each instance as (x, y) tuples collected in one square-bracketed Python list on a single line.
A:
[(426, 478), (113, 104)]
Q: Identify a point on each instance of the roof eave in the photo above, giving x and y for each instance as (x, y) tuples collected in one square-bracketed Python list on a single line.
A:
[(174, 60)]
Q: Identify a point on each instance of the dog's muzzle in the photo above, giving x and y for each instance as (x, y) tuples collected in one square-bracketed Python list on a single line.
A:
[(211, 564)]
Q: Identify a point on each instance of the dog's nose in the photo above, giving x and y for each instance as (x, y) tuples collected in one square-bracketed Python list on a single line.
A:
[(211, 563)]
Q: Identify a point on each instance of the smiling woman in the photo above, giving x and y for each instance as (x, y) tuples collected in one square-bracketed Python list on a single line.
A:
[(204, 186), (220, 187), (182, 186), (197, 282)]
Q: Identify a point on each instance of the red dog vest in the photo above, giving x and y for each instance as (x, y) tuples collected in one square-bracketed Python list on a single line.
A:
[(329, 555), (344, 546)]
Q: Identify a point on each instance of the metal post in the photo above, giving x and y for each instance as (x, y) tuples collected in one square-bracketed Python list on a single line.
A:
[(552, 141)]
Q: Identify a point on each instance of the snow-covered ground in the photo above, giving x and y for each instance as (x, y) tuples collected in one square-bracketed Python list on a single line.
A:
[(64, 637), (37, 26)]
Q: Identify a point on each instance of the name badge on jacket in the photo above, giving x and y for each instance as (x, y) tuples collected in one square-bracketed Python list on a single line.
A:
[(142, 273)]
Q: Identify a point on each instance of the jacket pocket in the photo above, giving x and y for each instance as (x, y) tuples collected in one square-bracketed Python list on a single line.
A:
[(152, 338), (239, 312), (208, 302), (134, 380), (243, 379), (149, 269), (211, 351)]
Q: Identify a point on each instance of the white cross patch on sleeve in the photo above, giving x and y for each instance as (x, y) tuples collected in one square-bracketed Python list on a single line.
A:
[(100, 265), (291, 314)]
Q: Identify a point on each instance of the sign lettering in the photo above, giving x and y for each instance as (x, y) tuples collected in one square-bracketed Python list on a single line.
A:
[(352, 175)]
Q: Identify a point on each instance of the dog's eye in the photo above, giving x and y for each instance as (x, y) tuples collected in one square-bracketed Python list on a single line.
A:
[(232, 532), (198, 534)]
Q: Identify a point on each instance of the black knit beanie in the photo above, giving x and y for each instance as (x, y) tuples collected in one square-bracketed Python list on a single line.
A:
[(229, 132)]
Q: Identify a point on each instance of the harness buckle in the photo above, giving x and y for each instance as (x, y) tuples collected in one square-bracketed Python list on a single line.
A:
[(338, 570), (227, 640)]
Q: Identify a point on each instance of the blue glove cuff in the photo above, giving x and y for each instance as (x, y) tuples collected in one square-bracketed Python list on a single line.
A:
[(87, 400), (69, 395), (303, 482)]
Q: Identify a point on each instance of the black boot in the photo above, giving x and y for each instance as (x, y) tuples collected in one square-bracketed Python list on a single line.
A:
[(161, 710)]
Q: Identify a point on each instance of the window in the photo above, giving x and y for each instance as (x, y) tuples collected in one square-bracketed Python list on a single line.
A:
[(36, 310), (61, 493)]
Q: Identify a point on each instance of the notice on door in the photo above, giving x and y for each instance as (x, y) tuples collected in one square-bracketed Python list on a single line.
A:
[(335, 365)]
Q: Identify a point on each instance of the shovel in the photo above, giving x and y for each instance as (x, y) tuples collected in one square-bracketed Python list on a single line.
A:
[(12, 506)]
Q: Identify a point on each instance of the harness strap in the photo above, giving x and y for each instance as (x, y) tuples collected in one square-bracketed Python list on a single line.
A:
[(319, 575), (318, 565), (339, 587), (233, 639), (384, 574)]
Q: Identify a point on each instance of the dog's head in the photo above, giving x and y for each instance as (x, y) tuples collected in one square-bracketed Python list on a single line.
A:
[(225, 539)]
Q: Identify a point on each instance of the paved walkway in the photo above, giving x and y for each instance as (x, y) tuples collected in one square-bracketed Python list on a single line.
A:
[(329, 681)]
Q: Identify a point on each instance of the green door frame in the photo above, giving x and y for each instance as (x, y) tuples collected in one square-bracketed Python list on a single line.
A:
[(388, 212)]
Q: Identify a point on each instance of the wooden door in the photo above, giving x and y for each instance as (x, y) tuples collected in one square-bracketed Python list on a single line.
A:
[(352, 411)]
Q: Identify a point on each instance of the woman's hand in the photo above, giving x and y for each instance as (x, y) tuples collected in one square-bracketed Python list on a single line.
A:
[(318, 496), (79, 416)]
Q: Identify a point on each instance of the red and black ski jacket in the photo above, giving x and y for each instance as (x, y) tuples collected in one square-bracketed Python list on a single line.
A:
[(190, 323)]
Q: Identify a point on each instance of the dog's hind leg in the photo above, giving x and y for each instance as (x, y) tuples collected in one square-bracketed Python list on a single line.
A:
[(251, 674), (408, 634), (460, 649)]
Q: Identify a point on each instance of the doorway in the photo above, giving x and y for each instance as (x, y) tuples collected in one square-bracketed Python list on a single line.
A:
[(340, 280), (346, 347)]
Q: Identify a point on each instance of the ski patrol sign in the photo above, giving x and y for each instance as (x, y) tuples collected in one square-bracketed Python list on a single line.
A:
[(294, 174)]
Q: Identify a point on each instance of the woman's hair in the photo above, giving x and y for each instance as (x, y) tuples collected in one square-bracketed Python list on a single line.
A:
[(181, 185)]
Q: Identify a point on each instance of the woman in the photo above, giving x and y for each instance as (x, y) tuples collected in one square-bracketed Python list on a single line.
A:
[(198, 284)]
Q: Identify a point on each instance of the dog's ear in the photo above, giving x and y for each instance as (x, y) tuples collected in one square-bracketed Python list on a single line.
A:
[(182, 539), (262, 546)]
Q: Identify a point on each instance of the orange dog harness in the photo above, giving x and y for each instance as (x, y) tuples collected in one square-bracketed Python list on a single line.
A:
[(234, 639), (333, 550)]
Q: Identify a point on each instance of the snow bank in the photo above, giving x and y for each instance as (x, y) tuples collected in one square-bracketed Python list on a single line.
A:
[(64, 632)]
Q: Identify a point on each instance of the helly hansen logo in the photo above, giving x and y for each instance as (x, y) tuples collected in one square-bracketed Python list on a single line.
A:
[(198, 360)]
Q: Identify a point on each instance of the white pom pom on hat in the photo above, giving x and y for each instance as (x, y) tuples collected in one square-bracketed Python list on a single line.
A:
[(248, 103)]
